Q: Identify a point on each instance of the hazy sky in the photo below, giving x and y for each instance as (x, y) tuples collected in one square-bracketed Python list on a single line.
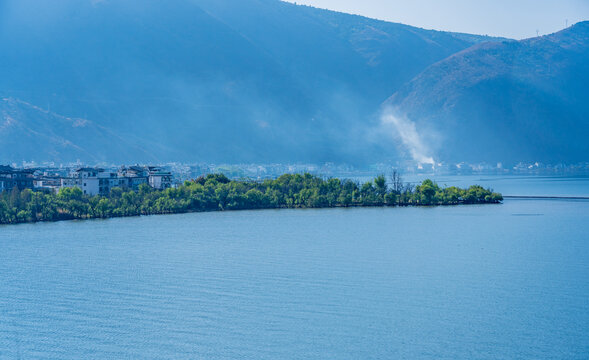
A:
[(510, 18)]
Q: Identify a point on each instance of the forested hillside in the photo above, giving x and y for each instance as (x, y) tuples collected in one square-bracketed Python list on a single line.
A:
[(506, 101), (204, 80)]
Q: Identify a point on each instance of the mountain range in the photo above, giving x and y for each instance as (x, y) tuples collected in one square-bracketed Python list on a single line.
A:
[(504, 101), (268, 81)]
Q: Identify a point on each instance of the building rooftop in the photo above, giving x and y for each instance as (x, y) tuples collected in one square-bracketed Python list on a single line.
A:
[(6, 169), (89, 169)]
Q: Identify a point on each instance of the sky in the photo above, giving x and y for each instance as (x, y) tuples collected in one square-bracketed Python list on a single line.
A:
[(516, 19)]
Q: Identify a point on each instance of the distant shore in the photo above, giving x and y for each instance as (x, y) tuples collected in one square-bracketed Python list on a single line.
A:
[(539, 197), (218, 193)]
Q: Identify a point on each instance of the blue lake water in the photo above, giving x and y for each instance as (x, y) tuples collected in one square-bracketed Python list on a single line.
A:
[(506, 281)]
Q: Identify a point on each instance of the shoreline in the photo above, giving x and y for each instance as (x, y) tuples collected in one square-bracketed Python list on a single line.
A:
[(242, 210), (218, 193)]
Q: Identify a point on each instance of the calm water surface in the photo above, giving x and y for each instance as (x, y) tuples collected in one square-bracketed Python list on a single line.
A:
[(504, 281)]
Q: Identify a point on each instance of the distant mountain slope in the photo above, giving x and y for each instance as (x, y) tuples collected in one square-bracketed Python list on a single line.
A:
[(25, 128), (505, 101), (355, 50), (222, 80)]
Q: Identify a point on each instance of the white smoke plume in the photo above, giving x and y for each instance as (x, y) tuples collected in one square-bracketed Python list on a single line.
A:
[(406, 130)]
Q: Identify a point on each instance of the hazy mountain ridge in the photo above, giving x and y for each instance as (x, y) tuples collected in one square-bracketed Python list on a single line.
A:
[(203, 80), (505, 101), (25, 128)]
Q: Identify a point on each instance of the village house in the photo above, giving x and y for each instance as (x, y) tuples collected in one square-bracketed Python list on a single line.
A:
[(136, 176), (159, 179), (49, 179), (84, 178), (96, 181), (11, 178), (92, 181)]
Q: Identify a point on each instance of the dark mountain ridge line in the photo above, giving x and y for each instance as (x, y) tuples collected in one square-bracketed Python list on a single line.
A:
[(474, 38)]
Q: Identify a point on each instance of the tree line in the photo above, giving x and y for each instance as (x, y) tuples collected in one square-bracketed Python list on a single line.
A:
[(217, 193)]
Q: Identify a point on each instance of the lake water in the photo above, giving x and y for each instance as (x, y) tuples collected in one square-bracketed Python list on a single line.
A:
[(504, 281)]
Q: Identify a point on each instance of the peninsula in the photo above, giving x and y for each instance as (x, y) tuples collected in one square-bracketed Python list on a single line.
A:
[(216, 192)]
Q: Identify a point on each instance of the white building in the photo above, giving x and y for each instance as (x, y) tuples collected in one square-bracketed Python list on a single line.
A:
[(160, 180), (89, 185), (95, 181)]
